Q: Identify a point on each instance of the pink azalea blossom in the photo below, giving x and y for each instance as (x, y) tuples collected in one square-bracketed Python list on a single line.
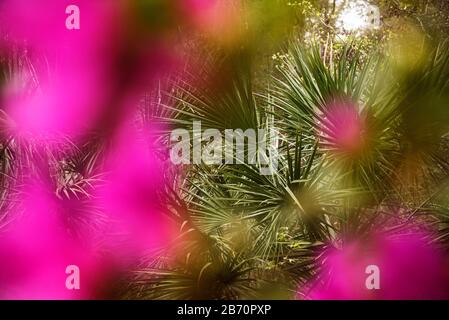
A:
[(74, 78), (343, 128), (131, 195), (408, 269), (36, 249)]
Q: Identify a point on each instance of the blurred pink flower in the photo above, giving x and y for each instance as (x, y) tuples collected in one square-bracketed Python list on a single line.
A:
[(131, 195), (201, 8), (93, 71), (343, 128), (409, 269), (221, 20), (75, 76), (36, 249), (42, 25), (69, 105), (85, 83)]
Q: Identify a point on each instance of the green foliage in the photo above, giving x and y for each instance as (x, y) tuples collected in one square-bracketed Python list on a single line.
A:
[(244, 234)]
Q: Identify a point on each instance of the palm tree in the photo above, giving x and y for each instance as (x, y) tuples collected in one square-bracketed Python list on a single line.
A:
[(352, 130), (362, 147)]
